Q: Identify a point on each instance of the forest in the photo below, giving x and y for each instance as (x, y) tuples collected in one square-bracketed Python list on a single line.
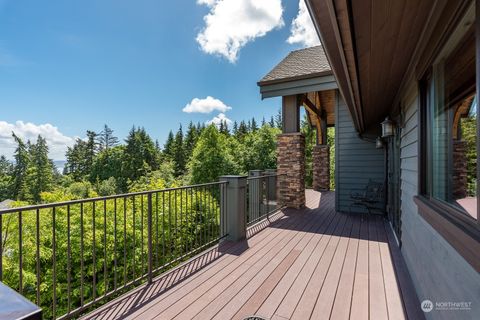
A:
[(100, 246)]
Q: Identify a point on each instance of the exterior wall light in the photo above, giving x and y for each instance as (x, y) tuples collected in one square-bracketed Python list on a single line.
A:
[(388, 127), (379, 143)]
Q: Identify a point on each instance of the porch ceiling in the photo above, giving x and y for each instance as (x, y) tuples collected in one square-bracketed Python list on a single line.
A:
[(370, 46)]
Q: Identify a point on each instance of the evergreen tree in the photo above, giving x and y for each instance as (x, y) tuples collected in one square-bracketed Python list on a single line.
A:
[(90, 151), (190, 141), (278, 119), (272, 122), (263, 122), (42, 170), (235, 128), (242, 130), (20, 169), (76, 160), (106, 139), (6, 177), (140, 154), (179, 153), (224, 128), (168, 148), (253, 125)]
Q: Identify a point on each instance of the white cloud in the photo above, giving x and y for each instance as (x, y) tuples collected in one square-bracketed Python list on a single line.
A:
[(206, 105), (221, 118), (57, 141), (302, 30), (231, 24)]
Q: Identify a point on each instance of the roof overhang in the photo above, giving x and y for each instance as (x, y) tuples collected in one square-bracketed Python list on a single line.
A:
[(374, 47), (299, 85)]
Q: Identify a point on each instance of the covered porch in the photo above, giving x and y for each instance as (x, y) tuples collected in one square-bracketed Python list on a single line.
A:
[(309, 263)]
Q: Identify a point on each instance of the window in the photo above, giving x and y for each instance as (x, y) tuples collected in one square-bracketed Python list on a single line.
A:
[(450, 122)]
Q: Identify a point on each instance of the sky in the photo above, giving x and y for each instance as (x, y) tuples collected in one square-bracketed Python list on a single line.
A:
[(67, 66)]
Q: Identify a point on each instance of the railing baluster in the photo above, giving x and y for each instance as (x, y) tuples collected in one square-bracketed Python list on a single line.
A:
[(37, 253), (150, 248), (156, 229), (105, 284), (163, 228), (115, 244), (141, 238), (54, 247), (69, 264), (94, 275), (125, 267), (20, 253), (82, 275), (1, 247), (134, 240)]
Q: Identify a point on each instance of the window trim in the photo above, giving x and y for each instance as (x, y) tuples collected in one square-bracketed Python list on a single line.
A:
[(456, 227)]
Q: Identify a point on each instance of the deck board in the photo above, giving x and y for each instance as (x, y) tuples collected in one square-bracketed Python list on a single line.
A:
[(312, 263)]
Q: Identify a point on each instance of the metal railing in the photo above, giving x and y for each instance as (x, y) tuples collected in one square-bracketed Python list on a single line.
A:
[(261, 195), (69, 256)]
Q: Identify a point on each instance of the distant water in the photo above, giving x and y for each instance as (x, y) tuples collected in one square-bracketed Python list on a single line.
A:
[(59, 164)]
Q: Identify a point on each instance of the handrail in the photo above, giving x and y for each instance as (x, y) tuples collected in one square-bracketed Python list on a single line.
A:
[(69, 256), (116, 196)]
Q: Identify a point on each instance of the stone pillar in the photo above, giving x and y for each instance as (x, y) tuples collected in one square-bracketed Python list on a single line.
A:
[(291, 169), (459, 169), (321, 167)]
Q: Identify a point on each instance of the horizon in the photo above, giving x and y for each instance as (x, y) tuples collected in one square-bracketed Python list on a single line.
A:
[(151, 65)]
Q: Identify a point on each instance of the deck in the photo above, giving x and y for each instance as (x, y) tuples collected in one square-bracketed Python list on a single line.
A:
[(312, 263)]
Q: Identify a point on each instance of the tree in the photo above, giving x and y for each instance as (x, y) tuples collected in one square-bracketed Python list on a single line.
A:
[(242, 130), (179, 153), (211, 157), (253, 125), (41, 172), (141, 156), (109, 164), (6, 177), (106, 139), (235, 128), (224, 128), (20, 169), (278, 119), (271, 123), (190, 141), (168, 148), (261, 149), (76, 161), (90, 150)]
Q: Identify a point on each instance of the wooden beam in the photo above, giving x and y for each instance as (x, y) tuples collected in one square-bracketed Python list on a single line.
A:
[(320, 119)]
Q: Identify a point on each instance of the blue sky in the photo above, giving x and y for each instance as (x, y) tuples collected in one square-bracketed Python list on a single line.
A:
[(69, 66)]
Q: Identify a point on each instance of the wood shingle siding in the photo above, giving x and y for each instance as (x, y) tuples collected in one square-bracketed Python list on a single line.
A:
[(357, 160)]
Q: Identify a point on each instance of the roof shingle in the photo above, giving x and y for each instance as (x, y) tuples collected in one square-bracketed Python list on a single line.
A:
[(299, 64)]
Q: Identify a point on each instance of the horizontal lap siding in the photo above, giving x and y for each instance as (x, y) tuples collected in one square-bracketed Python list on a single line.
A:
[(357, 161), (438, 272)]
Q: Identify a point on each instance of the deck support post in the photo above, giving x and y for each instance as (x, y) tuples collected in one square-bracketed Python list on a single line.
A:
[(235, 206), (291, 169), (321, 167)]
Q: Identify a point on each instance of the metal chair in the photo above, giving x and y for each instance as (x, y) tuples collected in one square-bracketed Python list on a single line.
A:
[(369, 198)]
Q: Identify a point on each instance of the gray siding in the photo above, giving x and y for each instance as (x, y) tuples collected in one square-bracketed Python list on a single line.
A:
[(438, 272), (357, 160)]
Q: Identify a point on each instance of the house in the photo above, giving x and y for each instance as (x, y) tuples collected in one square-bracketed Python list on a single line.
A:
[(413, 64), (397, 80)]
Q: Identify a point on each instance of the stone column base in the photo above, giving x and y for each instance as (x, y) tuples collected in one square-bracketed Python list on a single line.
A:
[(291, 169), (321, 167)]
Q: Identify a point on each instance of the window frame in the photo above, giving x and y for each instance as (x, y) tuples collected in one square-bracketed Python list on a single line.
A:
[(460, 230)]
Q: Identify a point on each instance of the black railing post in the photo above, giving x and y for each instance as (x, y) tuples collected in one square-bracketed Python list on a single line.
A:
[(150, 237)]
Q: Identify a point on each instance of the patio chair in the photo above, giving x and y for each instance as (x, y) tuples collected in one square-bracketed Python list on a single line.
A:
[(369, 198)]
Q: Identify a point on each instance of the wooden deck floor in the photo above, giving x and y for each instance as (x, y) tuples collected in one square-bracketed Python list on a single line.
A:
[(313, 263)]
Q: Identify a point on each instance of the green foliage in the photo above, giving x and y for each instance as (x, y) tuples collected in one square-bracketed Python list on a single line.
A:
[(469, 134), (211, 157), (6, 178), (141, 156), (260, 149)]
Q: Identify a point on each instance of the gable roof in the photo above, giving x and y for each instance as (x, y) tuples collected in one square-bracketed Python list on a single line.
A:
[(300, 64)]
